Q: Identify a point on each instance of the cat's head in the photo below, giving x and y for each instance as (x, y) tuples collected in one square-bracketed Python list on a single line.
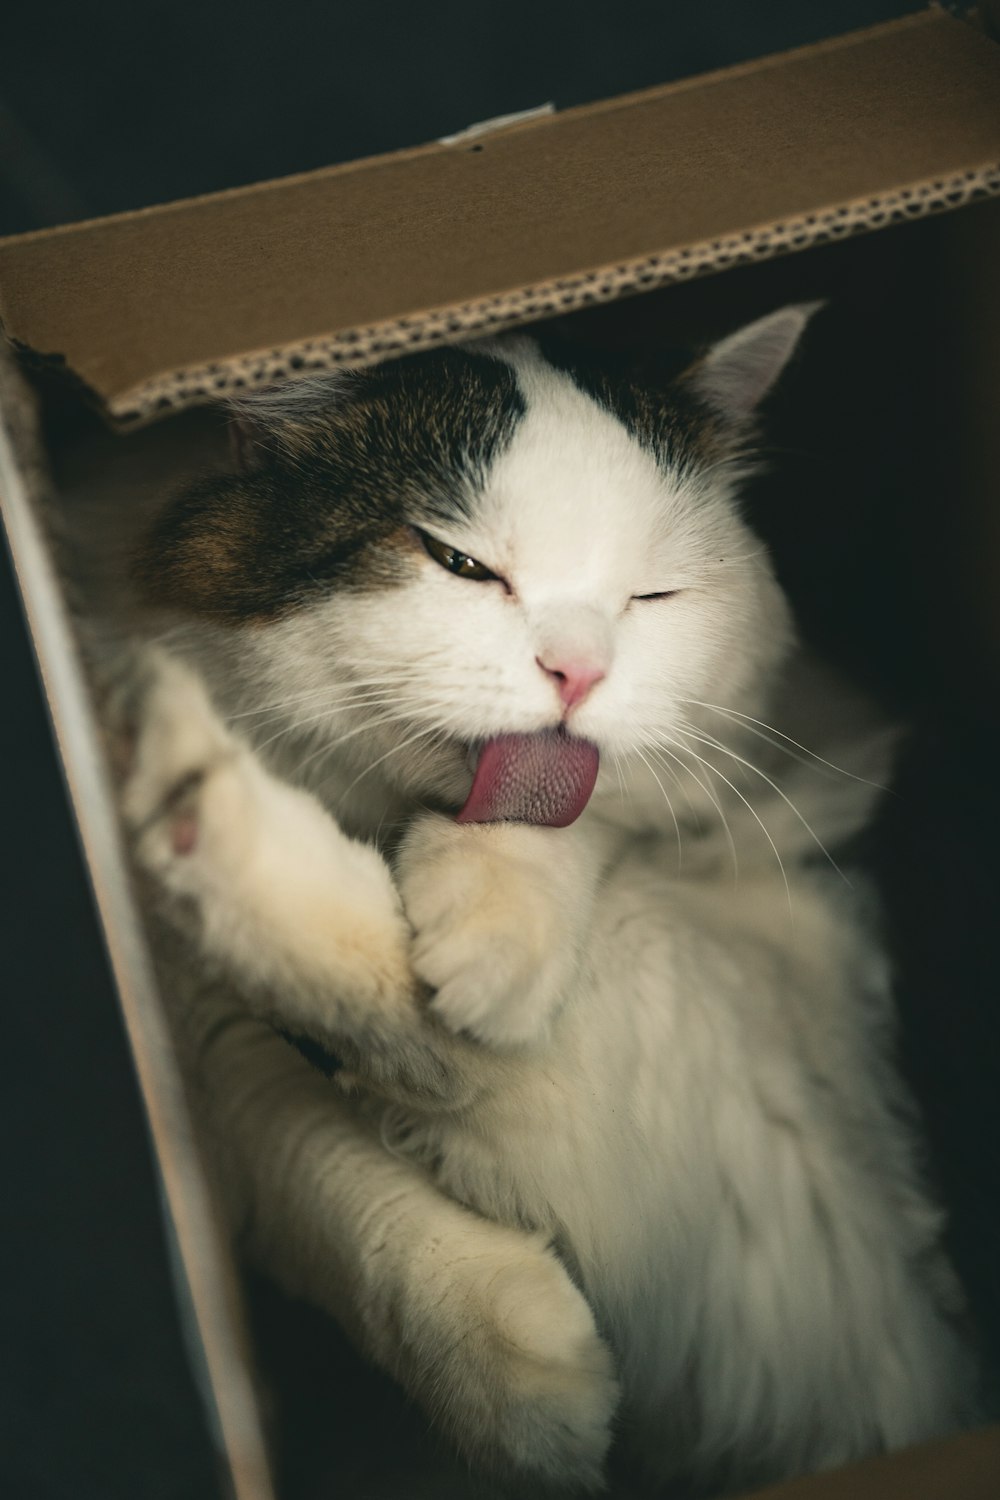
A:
[(489, 541)]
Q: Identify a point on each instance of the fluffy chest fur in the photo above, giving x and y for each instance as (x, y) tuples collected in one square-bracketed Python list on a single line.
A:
[(711, 1138)]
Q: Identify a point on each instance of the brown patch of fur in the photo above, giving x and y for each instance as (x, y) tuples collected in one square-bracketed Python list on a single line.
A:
[(336, 481)]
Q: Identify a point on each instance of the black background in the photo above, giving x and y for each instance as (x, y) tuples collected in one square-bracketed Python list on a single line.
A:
[(111, 106)]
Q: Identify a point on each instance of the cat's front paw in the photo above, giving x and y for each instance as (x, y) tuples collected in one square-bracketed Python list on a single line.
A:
[(489, 936), (304, 919), (509, 1360), (186, 789)]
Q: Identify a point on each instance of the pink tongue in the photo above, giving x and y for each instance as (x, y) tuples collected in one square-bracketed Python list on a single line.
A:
[(532, 778)]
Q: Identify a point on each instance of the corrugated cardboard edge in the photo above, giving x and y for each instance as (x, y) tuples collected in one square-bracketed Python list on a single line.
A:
[(966, 1467), (356, 347), (209, 1275)]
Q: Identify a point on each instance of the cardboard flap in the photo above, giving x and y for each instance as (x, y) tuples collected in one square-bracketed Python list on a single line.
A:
[(962, 1468), (207, 1280), (170, 306)]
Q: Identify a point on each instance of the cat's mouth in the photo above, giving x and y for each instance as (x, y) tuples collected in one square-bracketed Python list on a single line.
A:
[(545, 778)]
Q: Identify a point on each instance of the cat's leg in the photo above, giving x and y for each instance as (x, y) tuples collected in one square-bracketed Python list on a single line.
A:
[(306, 922), (480, 1323), (500, 914)]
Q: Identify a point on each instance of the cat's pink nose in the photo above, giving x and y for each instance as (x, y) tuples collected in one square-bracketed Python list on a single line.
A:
[(573, 679)]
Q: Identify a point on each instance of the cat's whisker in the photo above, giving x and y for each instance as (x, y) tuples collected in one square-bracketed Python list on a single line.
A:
[(329, 745), (750, 808), (677, 827), (741, 760), (745, 556), (617, 763), (753, 812), (346, 689), (760, 724), (312, 727), (280, 706), (682, 789), (312, 723), (814, 764), (307, 724), (431, 729), (661, 750), (291, 713)]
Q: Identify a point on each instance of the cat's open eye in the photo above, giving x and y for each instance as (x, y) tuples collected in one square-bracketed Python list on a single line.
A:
[(459, 563), (665, 594)]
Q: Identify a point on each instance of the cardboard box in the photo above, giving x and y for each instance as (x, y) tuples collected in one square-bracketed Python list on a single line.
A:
[(716, 198)]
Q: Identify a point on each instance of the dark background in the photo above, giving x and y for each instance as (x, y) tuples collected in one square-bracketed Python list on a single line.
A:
[(112, 106)]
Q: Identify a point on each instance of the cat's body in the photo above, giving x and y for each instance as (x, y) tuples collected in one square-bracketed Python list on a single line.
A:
[(658, 1040)]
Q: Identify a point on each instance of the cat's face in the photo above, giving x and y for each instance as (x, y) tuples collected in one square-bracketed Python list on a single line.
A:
[(481, 542)]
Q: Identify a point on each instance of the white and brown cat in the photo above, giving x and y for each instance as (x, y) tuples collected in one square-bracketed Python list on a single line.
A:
[(477, 756)]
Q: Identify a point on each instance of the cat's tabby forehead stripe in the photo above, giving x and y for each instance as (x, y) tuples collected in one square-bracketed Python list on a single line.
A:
[(654, 400), (341, 469)]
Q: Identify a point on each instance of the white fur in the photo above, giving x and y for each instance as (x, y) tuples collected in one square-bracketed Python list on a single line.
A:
[(658, 1041)]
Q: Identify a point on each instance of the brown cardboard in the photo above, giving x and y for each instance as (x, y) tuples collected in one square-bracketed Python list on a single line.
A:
[(964, 1468), (164, 308), (172, 305)]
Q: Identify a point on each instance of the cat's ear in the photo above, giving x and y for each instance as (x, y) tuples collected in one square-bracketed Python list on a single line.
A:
[(276, 421), (249, 442), (739, 371)]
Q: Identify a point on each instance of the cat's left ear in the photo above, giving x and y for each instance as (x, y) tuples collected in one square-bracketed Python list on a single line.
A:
[(278, 420), (739, 371)]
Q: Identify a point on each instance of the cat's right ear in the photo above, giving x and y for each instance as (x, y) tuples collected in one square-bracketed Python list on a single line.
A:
[(248, 443), (738, 372), (276, 421)]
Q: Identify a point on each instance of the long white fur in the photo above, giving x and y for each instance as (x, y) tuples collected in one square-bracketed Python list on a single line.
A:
[(658, 1041)]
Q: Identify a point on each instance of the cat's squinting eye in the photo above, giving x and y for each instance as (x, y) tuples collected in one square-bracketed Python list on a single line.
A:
[(665, 594), (459, 563)]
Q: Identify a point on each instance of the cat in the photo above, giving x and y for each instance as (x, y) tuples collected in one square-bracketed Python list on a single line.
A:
[(474, 751)]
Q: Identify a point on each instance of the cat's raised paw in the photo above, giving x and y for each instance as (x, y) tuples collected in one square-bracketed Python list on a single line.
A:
[(488, 937), (184, 782)]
